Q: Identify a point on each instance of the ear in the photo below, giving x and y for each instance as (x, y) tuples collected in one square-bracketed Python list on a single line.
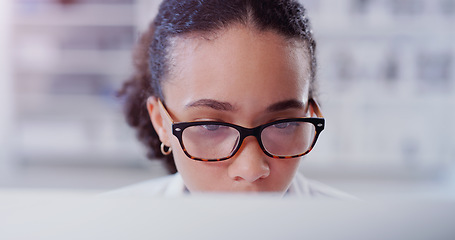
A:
[(156, 117)]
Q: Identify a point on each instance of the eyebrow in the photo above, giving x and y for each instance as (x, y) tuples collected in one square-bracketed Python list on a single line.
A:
[(225, 106), (286, 104), (214, 104)]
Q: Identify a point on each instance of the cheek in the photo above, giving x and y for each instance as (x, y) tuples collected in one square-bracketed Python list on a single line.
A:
[(282, 171), (284, 165)]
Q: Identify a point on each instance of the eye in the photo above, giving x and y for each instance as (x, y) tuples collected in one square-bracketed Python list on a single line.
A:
[(211, 127), (282, 125)]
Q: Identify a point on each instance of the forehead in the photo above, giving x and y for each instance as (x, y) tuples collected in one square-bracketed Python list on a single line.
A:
[(238, 65)]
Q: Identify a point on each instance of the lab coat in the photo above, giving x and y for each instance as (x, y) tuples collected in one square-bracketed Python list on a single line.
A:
[(173, 186)]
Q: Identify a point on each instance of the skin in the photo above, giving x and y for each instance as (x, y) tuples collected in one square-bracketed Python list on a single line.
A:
[(240, 76)]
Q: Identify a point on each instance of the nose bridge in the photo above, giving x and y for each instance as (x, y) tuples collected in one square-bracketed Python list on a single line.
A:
[(250, 162), (246, 132)]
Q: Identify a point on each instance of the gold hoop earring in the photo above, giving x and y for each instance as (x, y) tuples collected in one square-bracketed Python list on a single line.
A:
[(164, 152)]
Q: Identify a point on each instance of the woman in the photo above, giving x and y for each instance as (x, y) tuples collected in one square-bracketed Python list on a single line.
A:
[(224, 93)]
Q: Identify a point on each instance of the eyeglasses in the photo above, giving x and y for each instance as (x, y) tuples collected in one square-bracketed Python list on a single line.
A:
[(218, 141)]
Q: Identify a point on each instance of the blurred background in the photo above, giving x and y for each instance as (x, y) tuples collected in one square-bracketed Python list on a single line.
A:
[(387, 90)]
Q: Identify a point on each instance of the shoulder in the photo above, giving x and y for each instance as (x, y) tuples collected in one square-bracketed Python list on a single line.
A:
[(304, 187), (171, 185)]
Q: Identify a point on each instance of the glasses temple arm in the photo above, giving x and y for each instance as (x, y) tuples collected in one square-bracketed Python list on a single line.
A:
[(316, 108), (165, 110)]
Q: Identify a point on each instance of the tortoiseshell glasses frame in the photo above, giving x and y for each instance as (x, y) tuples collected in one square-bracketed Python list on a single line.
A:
[(318, 122)]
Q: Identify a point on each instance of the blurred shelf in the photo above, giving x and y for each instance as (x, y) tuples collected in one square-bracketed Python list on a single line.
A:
[(99, 178), (47, 106), (71, 58), (416, 31), (76, 62), (82, 158), (74, 15), (103, 62)]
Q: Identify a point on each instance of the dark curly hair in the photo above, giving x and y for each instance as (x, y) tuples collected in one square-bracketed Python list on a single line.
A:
[(181, 17)]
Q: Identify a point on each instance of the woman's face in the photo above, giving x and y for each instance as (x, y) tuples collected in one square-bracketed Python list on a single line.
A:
[(244, 77)]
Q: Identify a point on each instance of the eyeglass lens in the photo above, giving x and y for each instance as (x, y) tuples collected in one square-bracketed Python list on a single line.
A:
[(219, 141), (288, 138)]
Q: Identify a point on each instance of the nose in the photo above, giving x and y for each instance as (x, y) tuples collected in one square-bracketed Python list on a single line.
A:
[(250, 163)]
